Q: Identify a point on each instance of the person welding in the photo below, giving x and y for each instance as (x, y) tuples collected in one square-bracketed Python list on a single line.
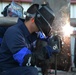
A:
[(16, 56)]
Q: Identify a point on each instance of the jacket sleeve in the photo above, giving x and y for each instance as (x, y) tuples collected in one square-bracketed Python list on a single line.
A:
[(16, 44)]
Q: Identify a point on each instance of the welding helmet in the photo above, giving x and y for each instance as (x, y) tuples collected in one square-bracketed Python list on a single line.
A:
[(4, 12), (44, 17)]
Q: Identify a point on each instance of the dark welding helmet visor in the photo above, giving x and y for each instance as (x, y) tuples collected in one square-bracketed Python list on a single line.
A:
[(44, 18)]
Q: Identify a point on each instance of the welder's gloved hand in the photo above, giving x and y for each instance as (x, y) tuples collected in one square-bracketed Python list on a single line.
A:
[(42, 52), (54, 43), (52, 50), (35, 58)]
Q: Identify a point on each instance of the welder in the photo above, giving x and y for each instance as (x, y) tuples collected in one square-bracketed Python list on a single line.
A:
[(16, 51)]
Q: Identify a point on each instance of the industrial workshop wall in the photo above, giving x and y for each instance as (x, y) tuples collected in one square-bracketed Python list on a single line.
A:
[(73, 11)]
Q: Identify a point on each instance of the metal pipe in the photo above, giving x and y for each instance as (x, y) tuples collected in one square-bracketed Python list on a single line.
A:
[(8, 21)]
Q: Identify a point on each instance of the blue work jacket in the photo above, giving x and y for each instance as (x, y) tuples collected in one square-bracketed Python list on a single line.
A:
[(16, 44)]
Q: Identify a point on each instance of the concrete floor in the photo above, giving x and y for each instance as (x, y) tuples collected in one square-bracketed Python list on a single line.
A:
[(65, 73), (70, 72), (62, 73)]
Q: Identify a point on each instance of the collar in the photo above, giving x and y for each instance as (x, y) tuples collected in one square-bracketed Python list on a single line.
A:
[(23, 27)]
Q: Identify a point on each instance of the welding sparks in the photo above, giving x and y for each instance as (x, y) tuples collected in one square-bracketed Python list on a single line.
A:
[(67, 30)]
